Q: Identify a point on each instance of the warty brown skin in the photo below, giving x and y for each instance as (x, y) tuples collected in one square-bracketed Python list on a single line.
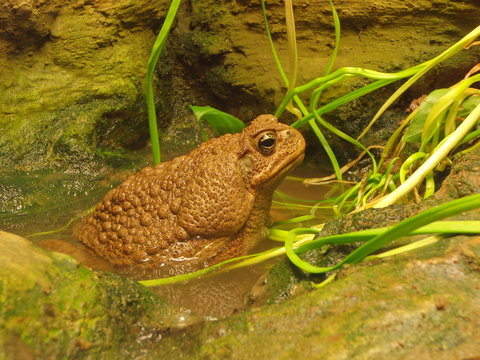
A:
[(204, 207)]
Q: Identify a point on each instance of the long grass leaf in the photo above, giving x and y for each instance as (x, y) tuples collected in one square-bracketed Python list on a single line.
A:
[(440, 153), (336, 23), (152, 62)]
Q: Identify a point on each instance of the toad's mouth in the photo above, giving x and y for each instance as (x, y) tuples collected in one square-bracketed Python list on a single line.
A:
[(291, 165), (285, 169)]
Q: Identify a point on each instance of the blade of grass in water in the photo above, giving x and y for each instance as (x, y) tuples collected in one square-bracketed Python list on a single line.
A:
[(64, 227), (192, 275), (285, 196), (293, 206), (294, 220)]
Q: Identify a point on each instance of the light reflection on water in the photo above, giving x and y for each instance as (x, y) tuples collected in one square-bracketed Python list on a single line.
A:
[(216, 295)]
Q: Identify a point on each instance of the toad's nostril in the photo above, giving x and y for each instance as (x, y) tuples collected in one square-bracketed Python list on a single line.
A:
[(289, 132)]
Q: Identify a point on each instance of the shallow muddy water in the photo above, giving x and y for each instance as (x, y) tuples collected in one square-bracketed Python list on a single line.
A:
[(214, 295)]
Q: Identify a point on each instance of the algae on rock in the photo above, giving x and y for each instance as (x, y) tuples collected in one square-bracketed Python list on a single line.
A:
[(72, 75), (52, 307), (72, 79), (423, 304)]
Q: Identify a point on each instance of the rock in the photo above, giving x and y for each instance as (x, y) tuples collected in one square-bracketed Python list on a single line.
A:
[(422, 304), (72, 74), (72, 80), (52, 307)]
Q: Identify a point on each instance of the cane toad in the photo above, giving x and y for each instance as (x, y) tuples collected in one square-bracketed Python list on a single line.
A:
[(204, 207)]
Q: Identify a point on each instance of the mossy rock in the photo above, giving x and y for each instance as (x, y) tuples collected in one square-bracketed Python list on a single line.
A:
[(72, 81), (72, 75), (52, 308), (423, 304)]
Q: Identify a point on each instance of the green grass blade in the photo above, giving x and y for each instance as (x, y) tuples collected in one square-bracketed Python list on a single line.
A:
[(345, 137), (407, 226), (409, 162), (336, 23), (402, 249), (445, 227), (152, 62), (429, 185), (328, 149), (272, 46), (440, 153), (294, 220), (350, 71), (469, 137), (423, 223), (192, 275), (285, 196), (292, 53), (439, 109), (66, 226), (289, 250), (417, 124), (343, 100)]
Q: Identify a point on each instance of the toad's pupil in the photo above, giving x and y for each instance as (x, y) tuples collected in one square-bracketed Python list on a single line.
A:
[(268, 143)]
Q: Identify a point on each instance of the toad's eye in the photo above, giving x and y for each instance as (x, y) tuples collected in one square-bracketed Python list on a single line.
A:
[(266, 143)]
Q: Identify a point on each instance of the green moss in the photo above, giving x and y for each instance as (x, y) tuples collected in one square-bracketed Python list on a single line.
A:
[(58, 308), (201, 45), (403, 303)]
